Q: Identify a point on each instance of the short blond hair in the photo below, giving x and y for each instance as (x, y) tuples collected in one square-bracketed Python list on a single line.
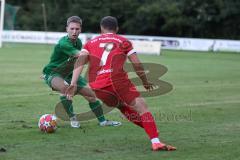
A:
[(74, 19)]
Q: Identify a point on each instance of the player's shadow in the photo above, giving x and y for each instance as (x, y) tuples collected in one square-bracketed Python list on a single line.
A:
[(154, 72)]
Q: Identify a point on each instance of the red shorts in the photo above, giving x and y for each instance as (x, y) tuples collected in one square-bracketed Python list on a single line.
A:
[(114, 94)]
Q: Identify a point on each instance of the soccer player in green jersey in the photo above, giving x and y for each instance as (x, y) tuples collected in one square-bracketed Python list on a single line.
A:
[(58, 73)]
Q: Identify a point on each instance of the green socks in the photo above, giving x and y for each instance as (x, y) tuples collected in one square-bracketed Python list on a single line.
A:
[(67, 104), (96, 108)]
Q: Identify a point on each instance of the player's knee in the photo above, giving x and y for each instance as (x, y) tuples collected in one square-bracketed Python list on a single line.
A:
[(63, 89), (139, 105)]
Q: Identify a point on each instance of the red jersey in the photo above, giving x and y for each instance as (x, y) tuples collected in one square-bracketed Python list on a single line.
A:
[(107, 55)]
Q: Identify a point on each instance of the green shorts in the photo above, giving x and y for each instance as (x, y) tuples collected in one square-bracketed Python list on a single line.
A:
[(82, 82)]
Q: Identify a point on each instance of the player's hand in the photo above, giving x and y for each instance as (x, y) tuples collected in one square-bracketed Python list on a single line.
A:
[(148, 85), (70, 91)]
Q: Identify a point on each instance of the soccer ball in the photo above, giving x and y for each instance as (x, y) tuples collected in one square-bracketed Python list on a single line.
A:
[(47, 123)]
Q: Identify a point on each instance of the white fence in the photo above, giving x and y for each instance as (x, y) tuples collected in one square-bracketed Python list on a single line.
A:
[(175, 43)]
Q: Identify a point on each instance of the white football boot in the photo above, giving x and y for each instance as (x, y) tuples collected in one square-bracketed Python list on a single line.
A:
[(110, 123), (74, 122)]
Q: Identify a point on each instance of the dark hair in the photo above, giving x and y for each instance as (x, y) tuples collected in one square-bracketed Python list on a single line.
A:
[(109, 23), (74, 19)]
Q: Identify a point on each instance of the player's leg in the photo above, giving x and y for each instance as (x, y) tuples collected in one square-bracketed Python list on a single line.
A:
[(149, 124), (94, 104), (127, 92), (132, 115), (59, 84), (132, 97)]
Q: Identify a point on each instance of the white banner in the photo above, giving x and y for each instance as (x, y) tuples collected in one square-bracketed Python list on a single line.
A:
[(149, 44), (227, 45), (147, 47), (196, 44), (35, 37), (178, 43)]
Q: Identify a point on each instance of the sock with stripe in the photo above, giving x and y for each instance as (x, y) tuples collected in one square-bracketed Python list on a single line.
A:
[(96, 108), (67, 104)]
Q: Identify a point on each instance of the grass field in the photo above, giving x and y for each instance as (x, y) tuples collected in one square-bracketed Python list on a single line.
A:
[(201, 115)]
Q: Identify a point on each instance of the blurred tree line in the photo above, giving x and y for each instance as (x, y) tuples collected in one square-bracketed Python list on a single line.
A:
[(179, 18)]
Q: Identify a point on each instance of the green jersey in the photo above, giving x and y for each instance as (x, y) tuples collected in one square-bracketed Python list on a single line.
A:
[(62, 59)]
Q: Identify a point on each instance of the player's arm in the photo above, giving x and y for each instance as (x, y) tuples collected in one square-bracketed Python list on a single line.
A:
[(79, 65), (78, 68), (139, 69)]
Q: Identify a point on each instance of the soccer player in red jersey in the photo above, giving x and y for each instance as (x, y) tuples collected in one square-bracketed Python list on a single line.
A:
[(106, 55)]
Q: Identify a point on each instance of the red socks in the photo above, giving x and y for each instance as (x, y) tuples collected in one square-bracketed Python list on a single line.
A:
[(149, 125), (132, 115), (145, 121)]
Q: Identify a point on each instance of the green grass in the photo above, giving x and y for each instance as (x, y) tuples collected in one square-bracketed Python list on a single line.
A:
[(200, 115)]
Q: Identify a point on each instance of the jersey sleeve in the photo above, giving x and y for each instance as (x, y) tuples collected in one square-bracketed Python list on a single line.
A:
[(86, 48), (127, 47), (68, 48), (131, 52)]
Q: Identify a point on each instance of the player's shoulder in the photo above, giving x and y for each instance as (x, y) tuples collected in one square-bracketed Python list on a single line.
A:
[(106, 37), (63, 40), (121, 38), (94, 39), (114, 37)]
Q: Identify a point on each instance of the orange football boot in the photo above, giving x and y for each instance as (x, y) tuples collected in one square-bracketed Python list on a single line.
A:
[(162, 147)]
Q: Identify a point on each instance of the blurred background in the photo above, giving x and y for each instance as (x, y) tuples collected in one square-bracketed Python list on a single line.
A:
[(196, 40), (186, 18)]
